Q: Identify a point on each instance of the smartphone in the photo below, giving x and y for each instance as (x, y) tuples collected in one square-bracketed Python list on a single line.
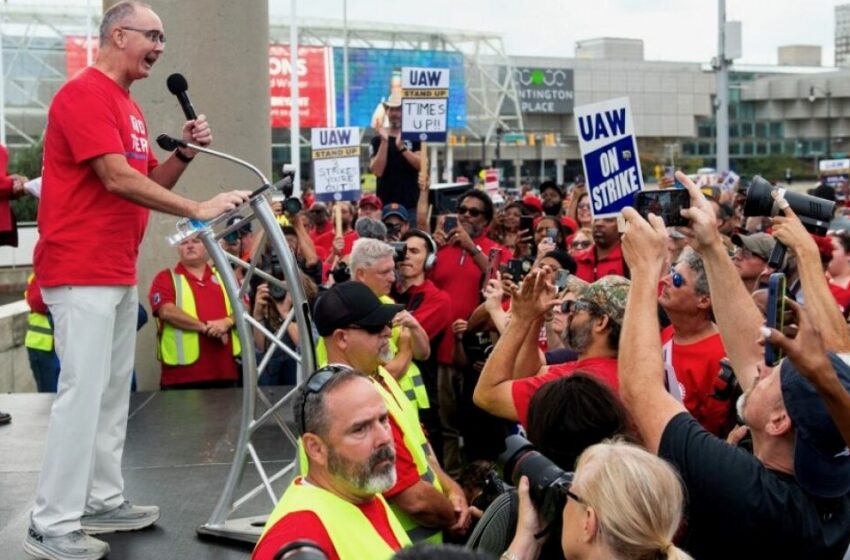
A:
[(665, 203), (552, 234), (493, 263), (449, 223), (526, 223), (518, 268), (561, 278), (775, 315)]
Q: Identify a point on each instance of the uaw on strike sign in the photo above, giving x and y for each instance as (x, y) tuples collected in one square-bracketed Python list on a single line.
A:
[(336, 163), (609, 154), (424, 104)]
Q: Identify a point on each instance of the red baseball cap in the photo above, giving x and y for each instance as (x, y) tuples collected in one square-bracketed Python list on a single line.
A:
[(371, 200), (532, 202)]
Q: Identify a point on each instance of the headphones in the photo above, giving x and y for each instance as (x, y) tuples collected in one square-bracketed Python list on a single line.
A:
[(431, 259)]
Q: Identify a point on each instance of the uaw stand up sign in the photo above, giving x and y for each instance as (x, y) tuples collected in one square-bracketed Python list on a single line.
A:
[(609, 154), (336, 163), (424, 104)]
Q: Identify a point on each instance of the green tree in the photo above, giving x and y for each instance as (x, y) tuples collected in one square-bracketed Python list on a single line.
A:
[(27, 162)]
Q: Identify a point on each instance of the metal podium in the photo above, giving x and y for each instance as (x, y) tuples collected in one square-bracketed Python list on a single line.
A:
[(224, 521)]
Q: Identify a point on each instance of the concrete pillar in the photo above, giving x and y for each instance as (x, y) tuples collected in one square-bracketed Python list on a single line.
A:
[(559, 171), (518, 173), (222, 50)]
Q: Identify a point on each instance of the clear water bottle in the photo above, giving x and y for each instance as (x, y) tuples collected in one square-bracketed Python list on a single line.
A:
[(185, 228)]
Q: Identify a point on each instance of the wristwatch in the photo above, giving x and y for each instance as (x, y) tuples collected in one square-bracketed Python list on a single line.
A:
[(183, 157), (476, 251)]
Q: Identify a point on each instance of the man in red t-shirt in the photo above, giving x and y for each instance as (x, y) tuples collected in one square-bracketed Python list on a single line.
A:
[(100, 177), (605, 256), (461, 262), (513, 371), (346, 435), (202, 325), (692, 345)]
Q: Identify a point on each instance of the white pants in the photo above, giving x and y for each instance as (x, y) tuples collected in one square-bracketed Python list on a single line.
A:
[(95, 335)]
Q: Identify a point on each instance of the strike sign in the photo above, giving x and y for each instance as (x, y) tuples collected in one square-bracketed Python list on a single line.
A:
[(424, 104), (609, 154), (336, 163)]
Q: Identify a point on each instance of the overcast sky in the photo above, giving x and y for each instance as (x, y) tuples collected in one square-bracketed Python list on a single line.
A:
[(681, 30)]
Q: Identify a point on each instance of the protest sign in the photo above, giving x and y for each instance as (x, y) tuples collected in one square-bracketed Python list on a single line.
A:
[(609, 155), (834, 172), (425, 103), (336, 163)]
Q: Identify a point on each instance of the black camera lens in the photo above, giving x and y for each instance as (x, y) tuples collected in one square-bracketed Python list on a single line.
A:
[(278, 293), (400, 249), (814, 212), (292, 205)]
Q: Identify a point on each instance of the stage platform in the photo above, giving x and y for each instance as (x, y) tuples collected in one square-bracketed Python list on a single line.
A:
[(177, 456)]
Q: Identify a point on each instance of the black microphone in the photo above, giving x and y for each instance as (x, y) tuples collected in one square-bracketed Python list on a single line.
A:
[(168, 143), (177, 86)]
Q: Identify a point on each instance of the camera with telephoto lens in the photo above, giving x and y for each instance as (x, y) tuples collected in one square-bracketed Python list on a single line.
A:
[(814, 212), (547, 482), (341, 273), (291, 204), (277, 292), (400, 248)]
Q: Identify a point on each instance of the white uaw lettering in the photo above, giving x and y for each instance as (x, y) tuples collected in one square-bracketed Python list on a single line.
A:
[(615, 188)]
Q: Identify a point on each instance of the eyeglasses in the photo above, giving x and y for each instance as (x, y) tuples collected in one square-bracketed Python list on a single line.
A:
[(581, 244), (152, 35), (314, 385), (584, 206), (372, 329), (676, 277), (474, 212)]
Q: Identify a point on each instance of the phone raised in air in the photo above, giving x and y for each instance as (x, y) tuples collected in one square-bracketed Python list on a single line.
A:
[(449, 223), (493, 264), (666, 203), (526, 223), (775, 315)]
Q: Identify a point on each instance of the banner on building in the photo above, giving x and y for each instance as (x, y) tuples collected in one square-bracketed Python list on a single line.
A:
[(543, 90), (609, 155), (336, 163), (316, 106)]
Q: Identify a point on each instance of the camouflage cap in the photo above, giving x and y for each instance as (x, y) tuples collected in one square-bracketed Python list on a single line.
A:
[(609, 293)]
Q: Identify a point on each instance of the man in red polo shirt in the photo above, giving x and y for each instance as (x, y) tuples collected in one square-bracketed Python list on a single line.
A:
[(604, 257), (461, 262), (593, 330), (195, 333)]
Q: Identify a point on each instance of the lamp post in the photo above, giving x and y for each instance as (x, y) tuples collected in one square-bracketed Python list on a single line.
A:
[(828, 94)]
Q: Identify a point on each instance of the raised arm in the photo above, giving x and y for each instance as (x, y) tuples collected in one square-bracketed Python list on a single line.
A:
[(640, 366)]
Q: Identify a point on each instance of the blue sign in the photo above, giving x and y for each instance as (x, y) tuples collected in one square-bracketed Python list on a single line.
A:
[(610, 156), (370, 73)]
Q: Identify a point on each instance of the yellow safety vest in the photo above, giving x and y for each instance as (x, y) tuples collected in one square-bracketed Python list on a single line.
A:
[(352, 533), (407, 419), (39, 330), (181, 348)]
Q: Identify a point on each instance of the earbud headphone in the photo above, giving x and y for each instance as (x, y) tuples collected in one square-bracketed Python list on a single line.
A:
[(431, 259)]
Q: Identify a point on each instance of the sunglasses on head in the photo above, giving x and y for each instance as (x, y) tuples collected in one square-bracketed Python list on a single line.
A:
[(314, 385), (474, 212), (676, 277), (574, 306)]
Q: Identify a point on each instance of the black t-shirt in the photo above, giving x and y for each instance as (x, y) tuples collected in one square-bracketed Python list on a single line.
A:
[(737, 508), (399, 183)]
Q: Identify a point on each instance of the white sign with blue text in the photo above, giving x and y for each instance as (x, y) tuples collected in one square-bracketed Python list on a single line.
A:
[(336, 163), (424, 104), (609, 154)]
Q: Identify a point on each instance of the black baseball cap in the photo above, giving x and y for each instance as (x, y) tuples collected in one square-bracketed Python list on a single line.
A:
[(821, 456), (351, 303)]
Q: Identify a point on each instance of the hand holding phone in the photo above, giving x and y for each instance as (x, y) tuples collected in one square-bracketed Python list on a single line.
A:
[(667, 204), (449, 223), (775, 315)]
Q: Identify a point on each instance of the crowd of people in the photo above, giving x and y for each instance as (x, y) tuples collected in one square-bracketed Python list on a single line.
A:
[(631, 354)]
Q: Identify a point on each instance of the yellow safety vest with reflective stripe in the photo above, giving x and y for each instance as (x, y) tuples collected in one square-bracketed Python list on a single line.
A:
[(411, 382), (178, 347), (352, 533), (414, 440), (39, 330)]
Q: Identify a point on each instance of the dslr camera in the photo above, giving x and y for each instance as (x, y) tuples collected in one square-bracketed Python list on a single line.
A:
[(547, 482), (291, 204)]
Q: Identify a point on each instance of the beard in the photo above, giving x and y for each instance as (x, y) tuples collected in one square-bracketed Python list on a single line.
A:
[(552, 209), (385, 354), (367, 478), (578, 336)]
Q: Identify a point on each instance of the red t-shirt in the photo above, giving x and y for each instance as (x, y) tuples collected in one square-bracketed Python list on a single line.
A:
[(457, 274), (317, 231), (88, 235), (215, 362), (697, 366), (431, 306), (590, 269), (307, 525), (325, 242), (33, 295), (841, 295), (604, 369)]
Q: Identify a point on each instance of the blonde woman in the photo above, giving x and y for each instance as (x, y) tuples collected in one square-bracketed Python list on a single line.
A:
[(624, 503)]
